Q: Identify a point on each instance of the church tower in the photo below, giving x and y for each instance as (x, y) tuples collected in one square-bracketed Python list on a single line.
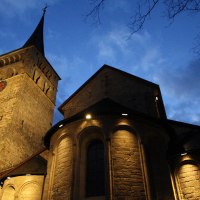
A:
[(28, 86)]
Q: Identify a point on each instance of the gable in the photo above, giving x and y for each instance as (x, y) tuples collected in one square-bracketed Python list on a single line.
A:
[(121, 87)]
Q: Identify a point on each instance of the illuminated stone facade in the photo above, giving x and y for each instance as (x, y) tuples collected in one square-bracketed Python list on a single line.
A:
[(27, 104), (126, 150), (23, 187), (133, 142)]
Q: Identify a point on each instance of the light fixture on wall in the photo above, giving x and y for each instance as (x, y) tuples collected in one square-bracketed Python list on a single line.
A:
[(124, 114), (182, 150), (184, 153), (88, 116), (61, 125), (156, 98)]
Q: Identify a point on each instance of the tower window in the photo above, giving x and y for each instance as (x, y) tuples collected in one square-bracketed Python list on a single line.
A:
[(95, 174)]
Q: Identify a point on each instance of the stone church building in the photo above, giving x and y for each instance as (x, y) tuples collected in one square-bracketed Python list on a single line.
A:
[(114, 143)]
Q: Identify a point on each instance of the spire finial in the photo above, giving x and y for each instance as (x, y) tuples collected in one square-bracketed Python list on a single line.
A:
[(45, 8)]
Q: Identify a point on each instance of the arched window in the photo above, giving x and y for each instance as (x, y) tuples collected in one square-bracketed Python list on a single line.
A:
[(95, 173)]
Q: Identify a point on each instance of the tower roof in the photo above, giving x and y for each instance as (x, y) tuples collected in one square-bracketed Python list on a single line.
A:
[(36, 38)]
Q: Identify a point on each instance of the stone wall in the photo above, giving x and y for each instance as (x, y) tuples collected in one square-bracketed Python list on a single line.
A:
[(62, 184), (27, 187), (128, 182), (26, 115), (26, 104), (126, 169), (30, 61), (129, 174), (188, 176), (58, 184)]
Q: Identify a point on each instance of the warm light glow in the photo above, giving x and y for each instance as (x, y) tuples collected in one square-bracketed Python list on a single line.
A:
[(123, 121), (61, 125), (88, 116), (188, 177), (8, 177), (124, 114), (131, 161)]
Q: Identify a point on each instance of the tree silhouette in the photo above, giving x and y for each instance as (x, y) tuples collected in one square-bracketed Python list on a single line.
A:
[(143, 10)]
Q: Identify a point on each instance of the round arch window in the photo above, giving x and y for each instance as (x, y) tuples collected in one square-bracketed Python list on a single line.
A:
[(95, 172)]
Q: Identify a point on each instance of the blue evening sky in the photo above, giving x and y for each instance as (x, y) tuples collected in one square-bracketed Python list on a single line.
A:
[(161, 52)]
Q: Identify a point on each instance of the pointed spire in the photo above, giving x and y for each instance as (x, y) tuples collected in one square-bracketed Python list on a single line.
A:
[(36, 38)]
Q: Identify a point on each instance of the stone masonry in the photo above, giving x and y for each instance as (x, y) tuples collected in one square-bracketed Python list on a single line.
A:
[(27, 105), (189, 181), (128, 180)]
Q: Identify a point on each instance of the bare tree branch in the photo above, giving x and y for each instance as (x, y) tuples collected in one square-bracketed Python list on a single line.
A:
[(196, 46), (144, 10), (137, 22), (97, 5), (176, 7)]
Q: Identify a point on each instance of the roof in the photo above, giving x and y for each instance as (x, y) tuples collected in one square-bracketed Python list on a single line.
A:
[(188, 135), (104, 67), (183, 124), (36, 38), (34, 165)]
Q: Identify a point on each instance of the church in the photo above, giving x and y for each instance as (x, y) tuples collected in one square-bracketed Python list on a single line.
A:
[(114, 143)]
